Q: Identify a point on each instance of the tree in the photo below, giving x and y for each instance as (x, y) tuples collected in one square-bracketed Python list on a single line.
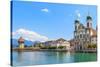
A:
[(52, 47), (92, 46), (61, 47)]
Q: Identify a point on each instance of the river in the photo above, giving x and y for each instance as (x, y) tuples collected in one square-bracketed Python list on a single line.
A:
[(25, 58)]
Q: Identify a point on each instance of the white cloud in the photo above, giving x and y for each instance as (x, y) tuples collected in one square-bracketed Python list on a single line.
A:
[(78, 14), (29, 35), (44, 10)]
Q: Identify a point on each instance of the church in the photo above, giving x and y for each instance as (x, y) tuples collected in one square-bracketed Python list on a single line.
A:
[(84, 35)]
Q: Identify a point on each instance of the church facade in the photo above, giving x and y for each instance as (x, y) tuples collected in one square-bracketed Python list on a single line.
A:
[(84, 35)]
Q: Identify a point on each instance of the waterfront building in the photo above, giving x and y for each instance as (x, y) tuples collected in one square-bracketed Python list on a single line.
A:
[(72, 44), (66, 44), (94, 39), (57, 43), (84, 35), (21, 42)]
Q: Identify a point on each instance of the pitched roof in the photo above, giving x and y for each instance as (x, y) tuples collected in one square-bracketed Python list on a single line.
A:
[(21, 40)]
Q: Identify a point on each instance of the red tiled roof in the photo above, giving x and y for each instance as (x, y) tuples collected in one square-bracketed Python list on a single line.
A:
[(21, 40)]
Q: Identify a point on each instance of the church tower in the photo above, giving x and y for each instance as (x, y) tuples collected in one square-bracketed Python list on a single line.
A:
[(77, 23), (89, 21), (21, 42)]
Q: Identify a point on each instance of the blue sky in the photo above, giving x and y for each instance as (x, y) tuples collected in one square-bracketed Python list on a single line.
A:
[(52, 20)]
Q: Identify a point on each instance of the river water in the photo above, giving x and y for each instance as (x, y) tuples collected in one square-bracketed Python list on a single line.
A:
[(49, 57)]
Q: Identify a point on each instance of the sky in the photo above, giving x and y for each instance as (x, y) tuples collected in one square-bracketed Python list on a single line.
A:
[(47, 21)]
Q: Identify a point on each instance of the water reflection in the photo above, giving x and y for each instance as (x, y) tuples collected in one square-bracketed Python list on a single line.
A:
[(85, 57), (36, 58), (20, 57)]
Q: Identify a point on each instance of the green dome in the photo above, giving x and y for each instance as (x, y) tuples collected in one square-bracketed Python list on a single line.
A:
[(89, 18), (76, 21)]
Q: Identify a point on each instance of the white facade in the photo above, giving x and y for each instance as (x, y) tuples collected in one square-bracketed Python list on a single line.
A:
[(66, 44), (83, 34), (94, 40)]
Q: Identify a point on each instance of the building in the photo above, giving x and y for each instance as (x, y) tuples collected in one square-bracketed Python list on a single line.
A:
[(57, 43), (72, 44), (84, 35), (94, 39), (66, 44), (62, 42), (21, 42)]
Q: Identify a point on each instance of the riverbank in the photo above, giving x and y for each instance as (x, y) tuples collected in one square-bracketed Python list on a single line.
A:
[(62, 50), (37, 49)]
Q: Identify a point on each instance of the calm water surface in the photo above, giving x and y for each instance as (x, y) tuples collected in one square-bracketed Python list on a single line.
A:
[(39, 58)]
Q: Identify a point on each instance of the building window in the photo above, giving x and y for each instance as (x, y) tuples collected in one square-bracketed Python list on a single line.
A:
[(77, 37), (80, 35), (84, 36), (75, 27)]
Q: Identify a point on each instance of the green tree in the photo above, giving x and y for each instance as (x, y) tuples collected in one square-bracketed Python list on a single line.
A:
[(61, 47)]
